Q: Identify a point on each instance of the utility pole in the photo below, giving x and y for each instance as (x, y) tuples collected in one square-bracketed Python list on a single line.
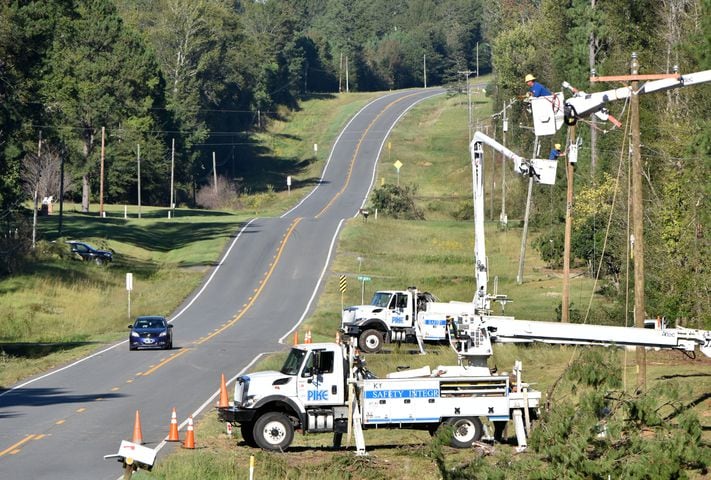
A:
[(569, 175), (493, 175), (101, 175), (424, 68), (477, 59), (214, 173), (172, 175), (636, 200), (466, 74), (503, 219), (347, 85), (340, 75), (524, 237), (138, 161), (637, 223), (34, 213), (61, 196)]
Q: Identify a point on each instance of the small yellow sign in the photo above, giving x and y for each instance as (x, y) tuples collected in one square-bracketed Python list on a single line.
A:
[(397, 164)]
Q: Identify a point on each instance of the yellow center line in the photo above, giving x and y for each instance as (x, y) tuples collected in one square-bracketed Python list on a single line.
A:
[(17, 445), (357, 149), (169, 359), (257, 291)]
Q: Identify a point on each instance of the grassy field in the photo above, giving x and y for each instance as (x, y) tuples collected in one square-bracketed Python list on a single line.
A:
[(435, 255), (56, 308)]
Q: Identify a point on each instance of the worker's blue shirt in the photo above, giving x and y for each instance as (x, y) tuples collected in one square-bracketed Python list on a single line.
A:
[(539, 90), (553, 155)]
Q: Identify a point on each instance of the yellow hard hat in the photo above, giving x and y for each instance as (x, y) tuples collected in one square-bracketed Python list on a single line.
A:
[(530, 78), (557, 146)]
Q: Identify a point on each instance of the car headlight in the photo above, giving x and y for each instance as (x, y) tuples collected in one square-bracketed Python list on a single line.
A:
[(134, 334), (163, 334)]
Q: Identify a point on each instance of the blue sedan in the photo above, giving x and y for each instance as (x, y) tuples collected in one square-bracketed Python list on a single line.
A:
[(150, 332)]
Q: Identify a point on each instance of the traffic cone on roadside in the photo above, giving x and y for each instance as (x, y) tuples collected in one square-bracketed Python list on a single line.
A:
[(224, 399), (137, 435), (296, 337), (307, 337), (190, 435), (173, 435)]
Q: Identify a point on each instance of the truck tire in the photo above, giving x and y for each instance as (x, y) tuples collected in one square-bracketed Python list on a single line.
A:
[(467, 430), (371, 341), (247, 431), (273, 431)]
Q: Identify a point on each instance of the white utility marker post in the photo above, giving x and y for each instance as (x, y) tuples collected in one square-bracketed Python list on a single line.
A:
[(129, 287)]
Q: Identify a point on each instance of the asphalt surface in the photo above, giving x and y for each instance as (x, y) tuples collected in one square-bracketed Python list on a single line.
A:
[(61, 424)]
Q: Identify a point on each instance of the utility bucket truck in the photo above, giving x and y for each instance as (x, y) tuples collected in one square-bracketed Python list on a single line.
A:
[(411, 315), (325, 387), (400, 316)]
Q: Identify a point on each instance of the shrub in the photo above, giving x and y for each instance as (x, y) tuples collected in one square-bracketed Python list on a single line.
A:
[(397, 202)]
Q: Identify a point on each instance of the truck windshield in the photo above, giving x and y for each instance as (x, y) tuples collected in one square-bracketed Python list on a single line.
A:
[(381, 299), (293, 362)]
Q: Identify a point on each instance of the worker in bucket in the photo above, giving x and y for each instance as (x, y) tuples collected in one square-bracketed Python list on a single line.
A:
[(555, 152), (535, 89)]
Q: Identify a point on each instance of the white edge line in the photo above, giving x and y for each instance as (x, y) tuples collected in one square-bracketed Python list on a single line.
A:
[(214, 272), (66, 367), (380, 150), (318, 283), (207, 402), (330, 156)]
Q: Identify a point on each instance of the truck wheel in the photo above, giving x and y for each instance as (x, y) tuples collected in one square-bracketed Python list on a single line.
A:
[(371, 341), (467, 430), (273, 431), (247, 431)]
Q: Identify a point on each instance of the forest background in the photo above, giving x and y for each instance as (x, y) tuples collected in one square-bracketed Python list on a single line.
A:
[(209, 74)]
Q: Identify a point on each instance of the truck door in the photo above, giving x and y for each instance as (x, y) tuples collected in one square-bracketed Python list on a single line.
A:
[(321, 379), (400, 315)]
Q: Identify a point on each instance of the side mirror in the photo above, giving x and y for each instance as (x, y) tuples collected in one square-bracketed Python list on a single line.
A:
[(130, 326), (170, 325)]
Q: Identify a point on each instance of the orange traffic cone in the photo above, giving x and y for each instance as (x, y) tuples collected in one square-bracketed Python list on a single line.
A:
[(173, 435), (307, 337), (137, 435), (224, 400), (190, 435), (296, 337)]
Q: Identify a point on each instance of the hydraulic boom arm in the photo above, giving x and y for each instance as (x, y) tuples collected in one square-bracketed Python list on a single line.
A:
[(541, 170), (582, 104)]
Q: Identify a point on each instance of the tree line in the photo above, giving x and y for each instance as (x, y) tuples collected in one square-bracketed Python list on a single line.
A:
[(570, 40), (201, 73)]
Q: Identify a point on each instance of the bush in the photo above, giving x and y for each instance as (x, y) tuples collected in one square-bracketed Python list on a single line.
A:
[(397, 202), (225, 196)]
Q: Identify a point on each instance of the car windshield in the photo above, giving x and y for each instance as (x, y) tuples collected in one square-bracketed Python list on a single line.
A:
[(381, 299), (149, 323), (293, 362)]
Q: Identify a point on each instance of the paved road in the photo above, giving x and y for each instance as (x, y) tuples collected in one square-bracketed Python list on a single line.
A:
[(61, 424)]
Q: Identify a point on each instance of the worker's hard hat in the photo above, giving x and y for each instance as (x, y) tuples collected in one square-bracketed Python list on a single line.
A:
[(530, 78), (557, 146)]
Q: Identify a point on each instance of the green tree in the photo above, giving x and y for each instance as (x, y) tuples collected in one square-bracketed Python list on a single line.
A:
[(98, 74)]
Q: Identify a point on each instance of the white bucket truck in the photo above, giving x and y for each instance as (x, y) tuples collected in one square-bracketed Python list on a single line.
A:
[(400, 316), (325, 387)]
